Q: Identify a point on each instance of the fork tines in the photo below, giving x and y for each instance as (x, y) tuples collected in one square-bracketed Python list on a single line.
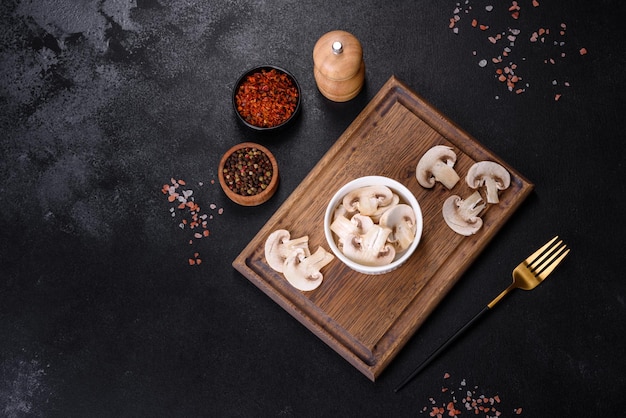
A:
[(546, 258)]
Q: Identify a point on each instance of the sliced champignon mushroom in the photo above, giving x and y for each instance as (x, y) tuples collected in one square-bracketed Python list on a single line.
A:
[(363, 223), (401, 220), (366, 200), (357, 224), (489, 174), (437, 165), (371, 248), (462, 216), (279, 246), (303, 272), (395, 199), (341, 211), (343, 227)]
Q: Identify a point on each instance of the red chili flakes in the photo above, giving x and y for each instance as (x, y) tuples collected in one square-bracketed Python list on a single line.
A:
[(267, 98), (192, 218)]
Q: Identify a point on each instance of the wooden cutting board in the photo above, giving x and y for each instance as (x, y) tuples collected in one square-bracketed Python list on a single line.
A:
[(368, 319)]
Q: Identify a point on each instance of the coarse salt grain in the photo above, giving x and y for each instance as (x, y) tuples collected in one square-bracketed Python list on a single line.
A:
[(540, 35), (471, 401), (189, 210)]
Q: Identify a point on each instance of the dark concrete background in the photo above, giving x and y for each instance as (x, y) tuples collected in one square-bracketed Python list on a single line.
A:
[(102, 102)]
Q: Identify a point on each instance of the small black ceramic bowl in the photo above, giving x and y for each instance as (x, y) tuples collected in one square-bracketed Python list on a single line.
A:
[(266, 98)]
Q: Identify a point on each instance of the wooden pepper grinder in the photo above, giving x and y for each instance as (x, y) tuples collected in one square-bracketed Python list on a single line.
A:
[(338, 64)]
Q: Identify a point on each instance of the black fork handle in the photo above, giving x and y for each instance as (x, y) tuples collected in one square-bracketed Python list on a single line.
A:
[(445, 345)]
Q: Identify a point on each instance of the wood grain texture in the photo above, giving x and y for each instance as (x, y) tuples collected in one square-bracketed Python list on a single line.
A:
[(368, 319)]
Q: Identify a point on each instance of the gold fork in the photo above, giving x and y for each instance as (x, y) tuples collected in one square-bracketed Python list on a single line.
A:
[(527, 275)]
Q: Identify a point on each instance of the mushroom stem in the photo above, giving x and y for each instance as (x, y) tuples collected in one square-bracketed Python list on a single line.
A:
[(492, 190), (490, 174), (437, 164), (316, 261), (343, 227), (446, 175), (470, 208)]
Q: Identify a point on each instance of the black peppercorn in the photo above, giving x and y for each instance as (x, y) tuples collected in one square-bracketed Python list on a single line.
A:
[(248, 171)]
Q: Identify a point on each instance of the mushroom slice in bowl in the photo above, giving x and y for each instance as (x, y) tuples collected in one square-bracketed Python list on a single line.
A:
[(366, 200), (371, 248), (401, 221)]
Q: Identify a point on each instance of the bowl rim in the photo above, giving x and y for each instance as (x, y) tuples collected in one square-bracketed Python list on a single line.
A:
[(254, 70), (258, 198), (405, 194)]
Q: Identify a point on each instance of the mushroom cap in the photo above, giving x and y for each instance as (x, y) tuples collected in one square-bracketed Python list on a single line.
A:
[(273, 254), (402, 222), (437, 165), (490, 174), (303, 272), (462, 215), (367, 199)]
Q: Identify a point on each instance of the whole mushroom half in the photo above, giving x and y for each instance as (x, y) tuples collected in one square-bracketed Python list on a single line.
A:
[(437, 164), (490, 174), (366, 200), (462, 216), (303, 272), (401, 220), (279, 246)]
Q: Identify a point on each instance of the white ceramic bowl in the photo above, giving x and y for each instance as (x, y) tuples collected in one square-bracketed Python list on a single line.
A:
[(405, 197)]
